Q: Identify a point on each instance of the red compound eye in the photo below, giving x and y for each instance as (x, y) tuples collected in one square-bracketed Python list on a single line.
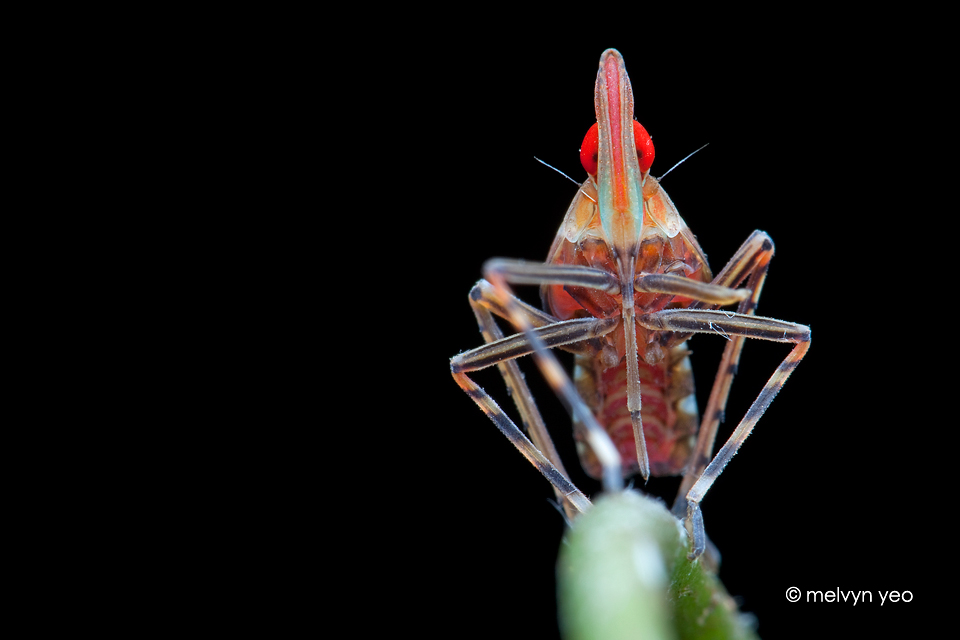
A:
[(590, 148), (644, 146)]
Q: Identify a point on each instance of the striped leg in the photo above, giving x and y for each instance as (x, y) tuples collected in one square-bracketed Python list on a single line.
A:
[(561, 484), (733, 324), (750, 261), (482, 301), (580, 335), (498, 299), (499, 272)]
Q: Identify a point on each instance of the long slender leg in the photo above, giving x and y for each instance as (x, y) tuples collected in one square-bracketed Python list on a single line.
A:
[(499, 272), (519, 391), (521, 272), (751, 260), (520, 441), (503, 352), (705, 321), (730, 448), (680, 286)]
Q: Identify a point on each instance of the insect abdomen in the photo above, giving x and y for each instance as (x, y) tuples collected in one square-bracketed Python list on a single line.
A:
[(668, 411)]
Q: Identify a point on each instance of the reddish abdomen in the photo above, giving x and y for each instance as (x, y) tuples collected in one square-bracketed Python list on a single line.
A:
[(668, 411)]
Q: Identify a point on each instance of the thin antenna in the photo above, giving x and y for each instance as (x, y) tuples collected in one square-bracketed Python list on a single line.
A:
[(561, 172), (574, 181), (674, 166)]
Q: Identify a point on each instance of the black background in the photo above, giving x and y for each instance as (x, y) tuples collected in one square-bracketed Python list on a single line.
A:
[(813, 138)]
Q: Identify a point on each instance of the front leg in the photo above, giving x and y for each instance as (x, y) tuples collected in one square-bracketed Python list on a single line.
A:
[(576, 335), (500, 272), (731, 324), (749, 263)]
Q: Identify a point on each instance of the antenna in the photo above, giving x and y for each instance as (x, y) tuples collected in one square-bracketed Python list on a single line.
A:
[(674, 166)]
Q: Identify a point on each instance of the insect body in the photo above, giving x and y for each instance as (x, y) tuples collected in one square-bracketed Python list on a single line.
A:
[(625, 284), (665, 246)]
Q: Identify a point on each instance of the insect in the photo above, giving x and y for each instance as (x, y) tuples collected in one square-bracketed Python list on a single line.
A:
[(625, 284)]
